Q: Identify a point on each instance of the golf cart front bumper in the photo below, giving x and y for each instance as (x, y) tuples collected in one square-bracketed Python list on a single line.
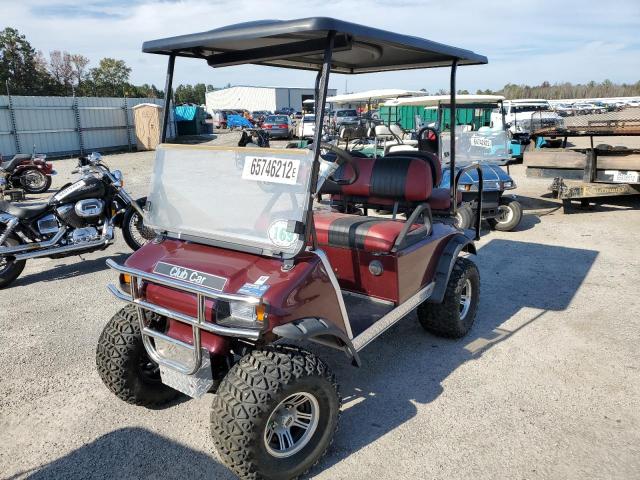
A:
[(183, 366)]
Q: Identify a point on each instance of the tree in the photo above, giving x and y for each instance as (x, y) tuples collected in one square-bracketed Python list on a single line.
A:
[(191, 94), (110, 78), (21, 65)]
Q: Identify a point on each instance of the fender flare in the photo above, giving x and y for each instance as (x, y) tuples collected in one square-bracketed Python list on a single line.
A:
[(456, 244), (319, 331)]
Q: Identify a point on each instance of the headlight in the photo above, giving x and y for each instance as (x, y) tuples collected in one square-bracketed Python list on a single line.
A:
[(508, 185), (468, 187), (240, 314)]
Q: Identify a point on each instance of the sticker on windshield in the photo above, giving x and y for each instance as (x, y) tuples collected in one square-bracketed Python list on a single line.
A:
[(271, 169), (279, 235), (481, 142)]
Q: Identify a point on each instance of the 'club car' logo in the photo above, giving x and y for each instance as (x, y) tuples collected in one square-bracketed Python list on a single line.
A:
[(192, 276)]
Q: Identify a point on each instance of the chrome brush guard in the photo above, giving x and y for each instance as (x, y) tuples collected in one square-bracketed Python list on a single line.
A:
[(197, 323)]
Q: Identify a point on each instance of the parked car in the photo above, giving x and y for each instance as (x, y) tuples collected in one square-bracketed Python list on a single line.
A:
[(278, 126), (285, 111), (259, 115), (344, 117), (306, 127)]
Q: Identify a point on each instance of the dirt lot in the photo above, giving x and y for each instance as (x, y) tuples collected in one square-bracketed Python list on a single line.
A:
[(546, 385)]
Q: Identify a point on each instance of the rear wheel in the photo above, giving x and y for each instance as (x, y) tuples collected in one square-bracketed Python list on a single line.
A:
[(455, 315), (34, 181), (275, 413), (123, 363), (509, 215), (10, 269)]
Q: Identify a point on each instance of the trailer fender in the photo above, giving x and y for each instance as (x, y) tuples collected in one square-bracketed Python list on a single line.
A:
[(458, 243), (319, 331)]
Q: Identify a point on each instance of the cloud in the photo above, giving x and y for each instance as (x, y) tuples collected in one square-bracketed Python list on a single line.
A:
[(526, 42)]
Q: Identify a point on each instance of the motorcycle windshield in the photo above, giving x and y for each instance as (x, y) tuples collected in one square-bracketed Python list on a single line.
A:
[(486, 144), (252, 198)]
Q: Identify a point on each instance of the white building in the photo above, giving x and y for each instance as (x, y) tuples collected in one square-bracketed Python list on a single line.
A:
[(259, 98)]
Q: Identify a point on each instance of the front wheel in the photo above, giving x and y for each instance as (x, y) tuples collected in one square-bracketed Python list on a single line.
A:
[(509, 215), (34, 181), (123, 363), (10, 269), (464, 217), (133, 229), (275, 413)]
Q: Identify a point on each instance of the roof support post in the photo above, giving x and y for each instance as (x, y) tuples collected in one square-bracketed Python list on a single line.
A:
[(322, 82), (452, 133), (167, 97)]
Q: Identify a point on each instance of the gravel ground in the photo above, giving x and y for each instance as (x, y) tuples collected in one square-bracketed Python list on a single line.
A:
[(546, 385)]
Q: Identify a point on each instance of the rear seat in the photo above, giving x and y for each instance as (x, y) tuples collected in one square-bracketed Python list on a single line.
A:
[(408, 178)]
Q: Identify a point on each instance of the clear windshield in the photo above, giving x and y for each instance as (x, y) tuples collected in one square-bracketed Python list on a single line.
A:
[(244, 196), (483, 145)]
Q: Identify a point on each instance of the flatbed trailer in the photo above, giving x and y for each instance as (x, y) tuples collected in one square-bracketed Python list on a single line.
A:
[(587, 173)]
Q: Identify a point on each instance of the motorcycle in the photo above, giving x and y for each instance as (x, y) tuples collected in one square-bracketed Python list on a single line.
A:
[(32, 173), (254, 137), (79, 218)]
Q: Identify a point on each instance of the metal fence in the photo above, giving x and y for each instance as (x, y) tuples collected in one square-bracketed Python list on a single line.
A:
[(60, 126)]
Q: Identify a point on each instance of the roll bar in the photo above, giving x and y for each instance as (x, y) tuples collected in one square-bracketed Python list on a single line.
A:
[(328, 40)]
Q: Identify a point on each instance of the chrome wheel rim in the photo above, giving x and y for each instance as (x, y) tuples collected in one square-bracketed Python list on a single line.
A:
[(139, 233), (505, 214), (291, 425), (34, 180), (465, 298)]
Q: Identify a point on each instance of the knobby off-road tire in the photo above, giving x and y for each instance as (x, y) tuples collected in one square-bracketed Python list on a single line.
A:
[(454, 317), (249, 400), (10, 269), (123, 363)]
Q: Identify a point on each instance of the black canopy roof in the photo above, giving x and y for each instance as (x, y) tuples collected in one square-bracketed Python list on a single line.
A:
[(300, 44)]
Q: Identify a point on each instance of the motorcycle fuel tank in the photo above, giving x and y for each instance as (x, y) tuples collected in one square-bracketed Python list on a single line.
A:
[(88, 187)]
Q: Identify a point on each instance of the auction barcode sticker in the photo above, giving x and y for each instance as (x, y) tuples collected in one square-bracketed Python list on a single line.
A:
[(271, 169)]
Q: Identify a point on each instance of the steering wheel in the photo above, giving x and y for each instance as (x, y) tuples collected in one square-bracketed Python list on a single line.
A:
[(343, 158)]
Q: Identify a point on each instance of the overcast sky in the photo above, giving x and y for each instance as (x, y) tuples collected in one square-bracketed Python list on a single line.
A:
[(525, 41)]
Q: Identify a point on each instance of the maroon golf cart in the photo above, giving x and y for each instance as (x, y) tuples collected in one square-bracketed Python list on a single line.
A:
[(246, 261)]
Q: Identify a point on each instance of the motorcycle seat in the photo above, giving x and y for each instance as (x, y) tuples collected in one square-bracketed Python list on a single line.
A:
[(25, 212), (14, 162)]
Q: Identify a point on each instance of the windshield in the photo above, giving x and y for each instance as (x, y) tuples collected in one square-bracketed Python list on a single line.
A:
[(249, 197), (276, 119), (484, 145), (346, 113), (309, 119)]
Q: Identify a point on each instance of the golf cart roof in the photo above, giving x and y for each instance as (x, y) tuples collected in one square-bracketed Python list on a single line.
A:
[(300, 44), (435, 100), (382, 94)]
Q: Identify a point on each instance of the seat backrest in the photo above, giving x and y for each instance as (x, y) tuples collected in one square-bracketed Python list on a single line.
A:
[(383, 131), (396, 130), (429, 158), (402, 179)]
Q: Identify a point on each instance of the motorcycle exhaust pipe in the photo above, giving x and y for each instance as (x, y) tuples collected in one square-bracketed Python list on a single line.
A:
[(26, 247), (65, 249)]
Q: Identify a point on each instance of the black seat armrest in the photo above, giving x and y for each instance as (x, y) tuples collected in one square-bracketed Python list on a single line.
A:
[(407, 236)]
